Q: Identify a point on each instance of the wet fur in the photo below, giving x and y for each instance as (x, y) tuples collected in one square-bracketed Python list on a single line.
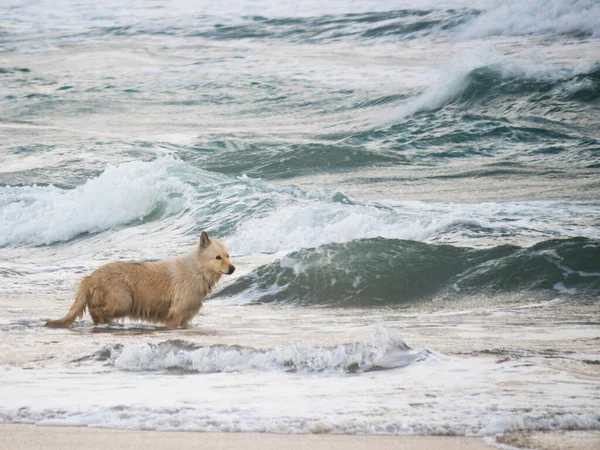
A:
[(169, 291)]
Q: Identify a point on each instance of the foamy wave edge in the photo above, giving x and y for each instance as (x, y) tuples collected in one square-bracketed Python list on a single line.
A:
[(191, 419), (380, 352)]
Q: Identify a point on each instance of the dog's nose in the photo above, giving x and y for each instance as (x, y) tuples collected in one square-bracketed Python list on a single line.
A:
[(231, 270)]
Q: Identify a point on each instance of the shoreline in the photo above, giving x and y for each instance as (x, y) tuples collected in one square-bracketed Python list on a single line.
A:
[(33, 437), (16, 436)]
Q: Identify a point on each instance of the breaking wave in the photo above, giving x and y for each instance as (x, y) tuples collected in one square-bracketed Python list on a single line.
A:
[(479, 81), (380, 353), (135, 193), (130, 192), (577, 18), (182, 200)]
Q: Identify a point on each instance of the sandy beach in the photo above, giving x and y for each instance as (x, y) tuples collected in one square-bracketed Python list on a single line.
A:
[(31, 437)]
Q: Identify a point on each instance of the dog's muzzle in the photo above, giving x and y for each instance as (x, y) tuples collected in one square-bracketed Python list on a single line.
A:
[(231, 270)]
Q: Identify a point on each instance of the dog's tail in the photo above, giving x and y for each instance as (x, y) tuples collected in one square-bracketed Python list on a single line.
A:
[(77, 309)]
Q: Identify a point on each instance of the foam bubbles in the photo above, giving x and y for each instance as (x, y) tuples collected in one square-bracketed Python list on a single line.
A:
[(500, 425), (380, 351), (309, 224)]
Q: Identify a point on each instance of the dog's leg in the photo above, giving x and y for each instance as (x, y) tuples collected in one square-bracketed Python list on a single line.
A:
[(112, 301), (173, 321), (189, 316), (99, 319), (95, 317), (179, 309), (176, 312), (186, 321)]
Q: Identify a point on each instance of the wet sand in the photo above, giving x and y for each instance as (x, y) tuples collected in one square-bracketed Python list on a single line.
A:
[(32, 437)]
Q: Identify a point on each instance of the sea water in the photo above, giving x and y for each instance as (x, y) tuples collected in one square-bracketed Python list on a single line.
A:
[(410, 191)]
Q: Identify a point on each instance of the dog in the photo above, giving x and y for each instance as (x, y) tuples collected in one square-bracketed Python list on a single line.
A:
[(168, 291)]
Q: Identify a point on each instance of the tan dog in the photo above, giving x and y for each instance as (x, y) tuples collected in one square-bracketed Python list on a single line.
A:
[(169, 291)]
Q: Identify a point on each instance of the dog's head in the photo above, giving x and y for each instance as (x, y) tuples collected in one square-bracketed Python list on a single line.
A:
[(214, 255)]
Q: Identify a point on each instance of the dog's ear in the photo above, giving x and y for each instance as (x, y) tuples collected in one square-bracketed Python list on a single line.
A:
[(204, 240)]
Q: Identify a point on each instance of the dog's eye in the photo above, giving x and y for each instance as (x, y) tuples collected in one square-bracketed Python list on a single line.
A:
[(228, 256), (219, 257)]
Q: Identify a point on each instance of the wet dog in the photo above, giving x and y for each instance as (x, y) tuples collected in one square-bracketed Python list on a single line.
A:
[(169, 291)]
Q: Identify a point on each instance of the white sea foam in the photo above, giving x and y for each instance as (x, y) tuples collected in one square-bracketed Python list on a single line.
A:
[(566, 421), (269, 219), (120, 195), (236, 419), (560, 287), (310, 224), (314, 224), (441, 395), (380, 351), (537, 17), (463, 394), (575, 86)]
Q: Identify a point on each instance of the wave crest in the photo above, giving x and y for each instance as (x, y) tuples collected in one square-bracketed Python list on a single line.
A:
[(578, 18), (382, 351), (133, 191), (481, 80), (387, 272)]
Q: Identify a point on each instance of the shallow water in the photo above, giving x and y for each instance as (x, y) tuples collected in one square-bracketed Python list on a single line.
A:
[(410, 194), (475, 367)]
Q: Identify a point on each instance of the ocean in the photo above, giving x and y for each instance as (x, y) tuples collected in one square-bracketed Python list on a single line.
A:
[(410, 191)]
